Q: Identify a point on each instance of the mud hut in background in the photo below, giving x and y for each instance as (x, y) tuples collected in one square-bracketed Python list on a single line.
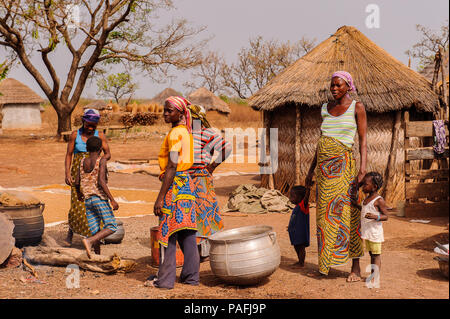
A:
[(163, 95), (209, 101), (292, 102), (19, 105), (99, 105)]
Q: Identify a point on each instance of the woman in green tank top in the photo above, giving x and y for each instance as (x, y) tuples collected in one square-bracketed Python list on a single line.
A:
[(338, 222)]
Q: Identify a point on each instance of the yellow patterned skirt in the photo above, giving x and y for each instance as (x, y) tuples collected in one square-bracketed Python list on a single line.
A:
[(78, 222), (338, 222)]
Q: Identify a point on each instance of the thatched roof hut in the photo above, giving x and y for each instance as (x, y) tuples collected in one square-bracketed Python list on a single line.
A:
[(163, 95), (292, 101), (208, 100), (99, 105), (20, 105)]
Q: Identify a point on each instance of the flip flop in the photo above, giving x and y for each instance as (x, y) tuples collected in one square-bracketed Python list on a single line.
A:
[(353, 278)]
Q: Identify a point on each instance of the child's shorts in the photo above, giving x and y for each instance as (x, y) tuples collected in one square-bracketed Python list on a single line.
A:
[(373, 247), (98, 210)]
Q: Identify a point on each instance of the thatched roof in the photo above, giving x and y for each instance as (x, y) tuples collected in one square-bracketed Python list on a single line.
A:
[(208, 100), (15, 92), (428, 70), (163, 95), (97, 105), (382, 82)]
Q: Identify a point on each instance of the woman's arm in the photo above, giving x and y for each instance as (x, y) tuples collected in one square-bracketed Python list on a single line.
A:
[(69, 155), (105, 146), (168, 177), (361, 122), (225, 150)]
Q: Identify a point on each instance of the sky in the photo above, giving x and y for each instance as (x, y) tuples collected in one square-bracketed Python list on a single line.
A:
[(231, 23)]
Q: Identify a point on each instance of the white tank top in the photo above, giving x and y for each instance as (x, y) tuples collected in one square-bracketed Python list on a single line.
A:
[(370, 228)]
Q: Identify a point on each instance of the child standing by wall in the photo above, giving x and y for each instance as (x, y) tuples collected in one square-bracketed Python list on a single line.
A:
[(91, 185), (299, 223), (373, 212)]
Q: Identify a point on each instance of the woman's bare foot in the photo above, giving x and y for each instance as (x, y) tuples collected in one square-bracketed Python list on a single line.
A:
[(353, 277), (87, 246)]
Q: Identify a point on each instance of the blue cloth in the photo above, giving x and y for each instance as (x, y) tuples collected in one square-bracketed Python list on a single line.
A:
[(97, 210), (80, 145), (299, 227)]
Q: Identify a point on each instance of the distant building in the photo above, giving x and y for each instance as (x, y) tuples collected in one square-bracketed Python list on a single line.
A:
[(20, 106)]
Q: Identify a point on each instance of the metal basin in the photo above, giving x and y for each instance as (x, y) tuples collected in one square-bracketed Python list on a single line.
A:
[(245, 255)]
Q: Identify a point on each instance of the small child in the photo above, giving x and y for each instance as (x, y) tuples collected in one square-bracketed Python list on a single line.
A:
[(373, 212), (91, 185), (299, 223)]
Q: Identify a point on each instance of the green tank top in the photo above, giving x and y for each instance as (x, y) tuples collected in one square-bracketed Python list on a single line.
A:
[(342, 127)]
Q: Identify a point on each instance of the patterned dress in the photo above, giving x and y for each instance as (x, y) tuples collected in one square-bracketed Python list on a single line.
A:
[(209, 220), (338, 222), (179, 202), (78, 222)]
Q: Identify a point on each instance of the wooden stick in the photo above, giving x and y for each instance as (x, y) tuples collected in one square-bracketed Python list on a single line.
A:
[(297, 144)]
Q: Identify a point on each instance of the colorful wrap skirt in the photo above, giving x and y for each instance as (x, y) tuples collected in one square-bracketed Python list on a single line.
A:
[(78, 222), (207, 212), (178, 208), (338, 222)]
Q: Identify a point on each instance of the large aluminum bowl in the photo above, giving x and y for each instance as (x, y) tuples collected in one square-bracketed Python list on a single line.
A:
[(245, 255)]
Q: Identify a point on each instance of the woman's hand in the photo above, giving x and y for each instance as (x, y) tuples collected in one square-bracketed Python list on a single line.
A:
[(69, 180), (210, 168), (157, 209)]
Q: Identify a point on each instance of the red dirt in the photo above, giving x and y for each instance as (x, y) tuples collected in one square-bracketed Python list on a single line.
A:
[(408, 269)]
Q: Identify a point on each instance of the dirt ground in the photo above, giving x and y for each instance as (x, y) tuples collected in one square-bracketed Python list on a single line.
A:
[(35, 163)]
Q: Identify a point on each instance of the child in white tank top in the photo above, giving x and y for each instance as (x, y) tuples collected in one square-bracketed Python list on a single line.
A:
[(373, 212)]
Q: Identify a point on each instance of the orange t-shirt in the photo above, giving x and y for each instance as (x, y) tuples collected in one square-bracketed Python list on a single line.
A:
[(177, 140)]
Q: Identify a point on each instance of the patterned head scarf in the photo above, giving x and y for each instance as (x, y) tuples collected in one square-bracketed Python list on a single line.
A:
[(181, 104), (198, 112), (346, 77), (91, 115)]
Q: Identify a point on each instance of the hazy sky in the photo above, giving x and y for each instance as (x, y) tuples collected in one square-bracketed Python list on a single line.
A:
[(233, 22)]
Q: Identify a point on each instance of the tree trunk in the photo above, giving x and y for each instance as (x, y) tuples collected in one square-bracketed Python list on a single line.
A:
[(64, 123)]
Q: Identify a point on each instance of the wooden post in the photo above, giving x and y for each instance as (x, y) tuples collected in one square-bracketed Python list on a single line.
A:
[(267, 124), (444, 86), (391, 171), (297, 144), (407, 166)]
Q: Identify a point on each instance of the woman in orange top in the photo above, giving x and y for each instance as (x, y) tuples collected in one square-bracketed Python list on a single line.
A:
[(175, 204)]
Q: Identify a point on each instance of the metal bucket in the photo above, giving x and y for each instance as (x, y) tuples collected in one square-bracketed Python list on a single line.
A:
[(28, 223), (117, 236), (245, 255)]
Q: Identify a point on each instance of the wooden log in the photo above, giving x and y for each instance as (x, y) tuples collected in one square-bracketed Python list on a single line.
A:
[(420, 129), (297, 144), (423, 153), (444, 85), (426, 174), (427, 190), (426, 210)]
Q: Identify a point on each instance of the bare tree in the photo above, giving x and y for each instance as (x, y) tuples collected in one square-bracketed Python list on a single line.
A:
[(429, 44), (209, 73), (96, 34), (258, 64)]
